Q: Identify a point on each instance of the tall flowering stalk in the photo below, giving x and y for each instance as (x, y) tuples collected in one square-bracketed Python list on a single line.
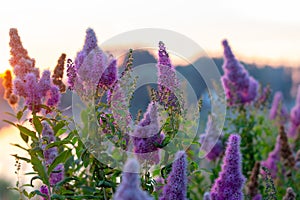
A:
[(230, 182), (167, 80), (295, 117), (50, 154), (273, 159), (253, 183), (176, 186), (286, 153), (147, 137), (28, 83), (278, 110), (129, 188), (240, 87), (211, 140), (59, 73)]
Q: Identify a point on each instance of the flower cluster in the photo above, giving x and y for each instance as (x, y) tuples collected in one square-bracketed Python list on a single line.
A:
[(253, 183), (285, 150), (229, 184), (51, 153), (147, 137), (273, 159), (240, 87), (129, 189), (176, 187), (167, 80), (295, 116), (58, 73), (278, 109), (8, 86), (28, 83), (210, 141)]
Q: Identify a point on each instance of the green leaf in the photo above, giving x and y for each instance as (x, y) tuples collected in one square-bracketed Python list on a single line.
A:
[(27, 132), (61, 158), (9, 122), (60, 132), (58, 126), (24, 137), (17, 145), (37, 124), (21, 158), (38, 166)]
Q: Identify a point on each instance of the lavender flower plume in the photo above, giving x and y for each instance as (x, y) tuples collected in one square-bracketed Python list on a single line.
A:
[(44, 190), (295, 117), (176, 186), (44, 83), (230, 182), (273, 159), (33, 98), (129, 188), (54, 96), (109, 75), (240, 87), (90, 43), (146, 136), (71, 74), (278, 109), (167, 79), (50, 154), (59, 73), (210, 141)]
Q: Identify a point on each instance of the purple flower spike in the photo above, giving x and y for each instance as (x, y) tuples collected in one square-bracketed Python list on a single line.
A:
[(44, 190), (54, 96), (167, 79), (240, 87), (44, 84), (229, 184), (278, 110), (57, 174), (90, 43), (109, 76), (295, 117), (176, 187), (273, 159), (33, 99), (129, 188), (146, 136)]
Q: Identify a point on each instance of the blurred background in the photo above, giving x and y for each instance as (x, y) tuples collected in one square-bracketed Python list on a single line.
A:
[(264, 35)]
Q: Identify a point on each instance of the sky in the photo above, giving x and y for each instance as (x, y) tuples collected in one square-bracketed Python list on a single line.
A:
[(265, 32)]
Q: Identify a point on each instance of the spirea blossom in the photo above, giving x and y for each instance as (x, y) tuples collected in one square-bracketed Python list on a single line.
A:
[(147, 136), (240, 87), (33, 97), (90, 43), (54, 96), (229, 184), (295, 117), (50, 154), (44, 190), (129, 188), (210, 141), (273, 159), (176, 186), (109, 75), (167, 79), (59, 73), (278, 109)]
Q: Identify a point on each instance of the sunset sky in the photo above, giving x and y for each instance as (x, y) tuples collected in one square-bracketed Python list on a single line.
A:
[(261, 31), (265, 32)]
